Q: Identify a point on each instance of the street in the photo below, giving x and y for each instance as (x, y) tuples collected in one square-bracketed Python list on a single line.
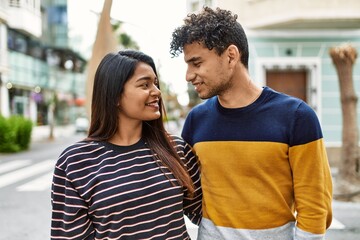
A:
[(25, 181), (25, 208)]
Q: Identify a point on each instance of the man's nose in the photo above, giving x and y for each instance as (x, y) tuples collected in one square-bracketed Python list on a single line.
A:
[(190, 76)]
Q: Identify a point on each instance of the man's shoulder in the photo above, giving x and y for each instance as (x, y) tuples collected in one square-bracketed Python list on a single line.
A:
[(284, 99), (204, 106)]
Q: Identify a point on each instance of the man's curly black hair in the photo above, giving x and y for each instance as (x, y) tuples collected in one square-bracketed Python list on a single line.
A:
[(216, 29)]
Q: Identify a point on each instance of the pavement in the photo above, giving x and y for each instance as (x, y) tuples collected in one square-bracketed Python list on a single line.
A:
[(42, 133)]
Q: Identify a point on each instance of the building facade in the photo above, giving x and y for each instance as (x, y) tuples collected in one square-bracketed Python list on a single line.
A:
[(38, 68)]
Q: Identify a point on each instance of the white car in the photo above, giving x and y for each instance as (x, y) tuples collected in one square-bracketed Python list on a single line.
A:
[(82, 125)]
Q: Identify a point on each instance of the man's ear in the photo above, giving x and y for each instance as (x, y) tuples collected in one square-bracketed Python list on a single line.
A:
[(233, 54)]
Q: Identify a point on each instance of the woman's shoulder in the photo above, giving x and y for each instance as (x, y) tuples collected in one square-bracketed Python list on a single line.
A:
[(79, 146), (75, 150)]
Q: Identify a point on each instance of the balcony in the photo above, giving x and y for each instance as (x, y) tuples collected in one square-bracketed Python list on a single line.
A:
[(3, 10), (25, 17), (297, 14)]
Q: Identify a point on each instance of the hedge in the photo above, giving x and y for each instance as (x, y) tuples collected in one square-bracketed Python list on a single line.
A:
[(15, 133)]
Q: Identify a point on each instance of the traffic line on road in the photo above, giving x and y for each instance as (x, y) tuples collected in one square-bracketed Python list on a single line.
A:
[(41, 183), (335, 224), (189, 224), (14, 164), (26, 172)]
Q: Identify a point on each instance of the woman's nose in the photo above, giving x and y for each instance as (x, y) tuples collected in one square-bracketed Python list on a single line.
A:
[(155, 91)]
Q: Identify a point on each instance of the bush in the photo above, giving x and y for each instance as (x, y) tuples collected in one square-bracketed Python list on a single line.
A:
[(7, 136), (23, 131), (15, 133)]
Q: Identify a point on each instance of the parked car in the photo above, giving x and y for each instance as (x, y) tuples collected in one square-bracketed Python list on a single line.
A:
[(82, 125)]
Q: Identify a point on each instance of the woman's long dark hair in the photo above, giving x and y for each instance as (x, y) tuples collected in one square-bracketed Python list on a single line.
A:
[(113, 72)]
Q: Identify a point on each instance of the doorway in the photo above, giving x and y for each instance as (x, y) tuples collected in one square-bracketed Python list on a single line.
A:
[(291, 82)]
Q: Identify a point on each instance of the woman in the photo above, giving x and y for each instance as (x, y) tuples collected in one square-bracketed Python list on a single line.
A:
[(129, 179)]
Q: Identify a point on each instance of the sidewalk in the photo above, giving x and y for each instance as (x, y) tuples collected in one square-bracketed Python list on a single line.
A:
[(42, 133)]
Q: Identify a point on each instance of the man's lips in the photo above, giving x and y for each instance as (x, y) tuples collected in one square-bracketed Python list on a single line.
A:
[(197, 84)]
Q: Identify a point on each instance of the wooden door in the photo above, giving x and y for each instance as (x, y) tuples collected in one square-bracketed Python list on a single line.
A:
[(291, 82)]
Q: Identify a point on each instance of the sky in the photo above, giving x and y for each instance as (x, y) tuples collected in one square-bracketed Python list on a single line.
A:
[(149, 22)]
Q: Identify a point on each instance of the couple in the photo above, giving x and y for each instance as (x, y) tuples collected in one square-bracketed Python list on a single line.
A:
[(264, 169)]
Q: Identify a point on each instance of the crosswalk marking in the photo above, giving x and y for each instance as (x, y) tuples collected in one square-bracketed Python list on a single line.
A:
[(189, 224), (335, 224), (8, 166), (23, 173), (39, 184), (191, 228)]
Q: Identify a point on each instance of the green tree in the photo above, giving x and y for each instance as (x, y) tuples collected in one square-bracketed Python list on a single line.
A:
[(123, 38)]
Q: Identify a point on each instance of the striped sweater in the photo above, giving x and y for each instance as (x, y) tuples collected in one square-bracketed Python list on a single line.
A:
[(264, 169), (105, 191)]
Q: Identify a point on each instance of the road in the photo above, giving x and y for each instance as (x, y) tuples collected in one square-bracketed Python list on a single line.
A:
[(25, 210)]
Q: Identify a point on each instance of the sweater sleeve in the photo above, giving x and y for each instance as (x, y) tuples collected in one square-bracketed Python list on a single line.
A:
[(192, 204), (69, 211), (311, 176)]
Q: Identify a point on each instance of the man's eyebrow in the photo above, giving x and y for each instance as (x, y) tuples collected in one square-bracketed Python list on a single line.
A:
[(193, 59)]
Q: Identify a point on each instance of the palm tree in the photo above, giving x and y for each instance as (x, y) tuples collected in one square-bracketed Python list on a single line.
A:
[(343, 58), (106, 41)]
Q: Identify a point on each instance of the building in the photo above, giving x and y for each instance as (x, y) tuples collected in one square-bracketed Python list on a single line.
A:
[(38, 68), (289, 44)]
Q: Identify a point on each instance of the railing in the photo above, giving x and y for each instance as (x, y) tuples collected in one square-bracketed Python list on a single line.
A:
[(15, 3)]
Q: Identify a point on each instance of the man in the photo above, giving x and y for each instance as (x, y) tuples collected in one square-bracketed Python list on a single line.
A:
[(264, 168)]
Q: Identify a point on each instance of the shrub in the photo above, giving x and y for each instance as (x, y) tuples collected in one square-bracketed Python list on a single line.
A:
[(7, 136), (15, 133), (23, 131)]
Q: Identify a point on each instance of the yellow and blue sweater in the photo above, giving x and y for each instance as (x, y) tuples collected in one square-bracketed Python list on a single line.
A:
[(264, 169)]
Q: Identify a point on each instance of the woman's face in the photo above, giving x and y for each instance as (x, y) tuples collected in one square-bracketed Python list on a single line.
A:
[(140, 98)]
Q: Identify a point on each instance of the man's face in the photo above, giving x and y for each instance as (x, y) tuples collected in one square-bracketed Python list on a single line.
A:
[(206, 70)]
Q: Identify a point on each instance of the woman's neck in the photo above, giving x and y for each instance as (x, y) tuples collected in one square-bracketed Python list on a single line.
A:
[(127, 134)]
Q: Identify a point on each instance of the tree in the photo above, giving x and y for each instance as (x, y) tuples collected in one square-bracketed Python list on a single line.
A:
[(343, 58), (109, 38), (105, 42), (123, 38)]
